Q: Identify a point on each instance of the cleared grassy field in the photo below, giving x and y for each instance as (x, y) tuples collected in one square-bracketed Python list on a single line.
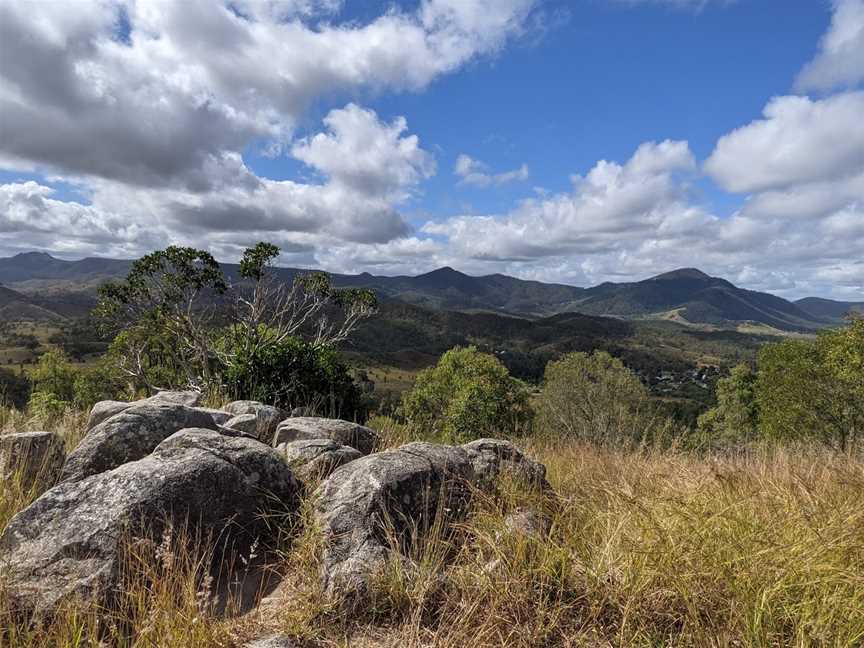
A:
[(646, 548)]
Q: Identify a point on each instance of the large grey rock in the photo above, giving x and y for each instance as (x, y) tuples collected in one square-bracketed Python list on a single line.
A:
[(104, 410), (246, 423), (130, 435), (346, 433), (314, 459), (491, 458), (69, 542), (220, 417), (267, 418), (385, 500), (33, 458)]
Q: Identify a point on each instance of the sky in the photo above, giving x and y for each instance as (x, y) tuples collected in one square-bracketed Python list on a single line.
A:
[(569, 141)]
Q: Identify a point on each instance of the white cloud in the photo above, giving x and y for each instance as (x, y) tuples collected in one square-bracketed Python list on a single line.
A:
[(364, 155), (800, 140), (195, 79), (369, 168), (611, 201), (840, 61), (147, 107), (474, 172)]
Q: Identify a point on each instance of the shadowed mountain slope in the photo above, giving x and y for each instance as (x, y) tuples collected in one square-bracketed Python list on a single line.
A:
[(828, 309), (687, 295)]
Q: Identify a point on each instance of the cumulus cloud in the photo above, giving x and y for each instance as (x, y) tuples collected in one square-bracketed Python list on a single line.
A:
[(364, 155), (610, 200), (147, 107), (476, 173), (799, 140), (367, 167), (193, 80), (840, 61)]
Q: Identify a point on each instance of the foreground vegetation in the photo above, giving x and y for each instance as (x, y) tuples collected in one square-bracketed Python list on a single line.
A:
[(745, 530), (646, 548)]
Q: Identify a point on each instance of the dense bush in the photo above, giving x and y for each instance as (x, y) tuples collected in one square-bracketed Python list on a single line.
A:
[(802, 390), (179, 322), (292, 373), (735, 418), (814, 389), (596, 398), (467, 395)]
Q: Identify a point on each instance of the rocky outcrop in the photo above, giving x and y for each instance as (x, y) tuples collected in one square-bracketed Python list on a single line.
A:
[(491, 458), (34, 459), (266, 418), (344, 433), (104, 410), (387, 500), (69, 542), (130, 435), (314, 459)]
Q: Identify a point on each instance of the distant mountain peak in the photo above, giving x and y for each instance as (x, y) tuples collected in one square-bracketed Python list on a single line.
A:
[(681, 273), (444, 272), (33, 255)]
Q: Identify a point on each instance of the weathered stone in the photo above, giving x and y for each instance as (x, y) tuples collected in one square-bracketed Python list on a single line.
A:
[(267, 416), (528, 523), (242, 407), (33, 458), (189, 398), (314, 459), (492, 457), (104, 410), (246, 423), (274, 641), (386, 500), (219, 417), (130, 435), (346, 433), (69, 542)]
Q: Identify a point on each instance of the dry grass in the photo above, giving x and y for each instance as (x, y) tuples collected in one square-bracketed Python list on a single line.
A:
[(646, 548)]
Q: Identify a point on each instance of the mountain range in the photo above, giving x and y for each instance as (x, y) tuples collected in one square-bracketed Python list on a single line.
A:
[(39, 286)]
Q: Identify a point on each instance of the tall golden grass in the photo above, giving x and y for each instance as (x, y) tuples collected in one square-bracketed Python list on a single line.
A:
[(646, 548)]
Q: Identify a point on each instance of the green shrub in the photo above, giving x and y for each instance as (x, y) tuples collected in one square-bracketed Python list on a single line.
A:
[(46, 406), (291, 373), (467, 395), (55, 375), (96, 383), (814, 389), (735, 418), (596, 398)]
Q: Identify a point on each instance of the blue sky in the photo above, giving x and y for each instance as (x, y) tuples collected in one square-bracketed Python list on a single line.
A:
[(576, 142), (602, 78)]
